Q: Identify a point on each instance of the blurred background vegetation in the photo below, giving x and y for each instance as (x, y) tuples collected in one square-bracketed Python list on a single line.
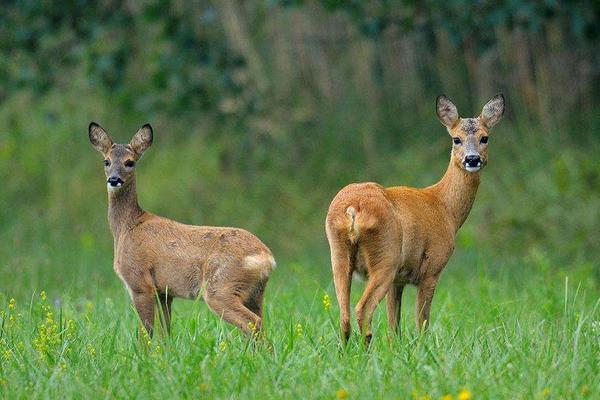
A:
[(263, 110)]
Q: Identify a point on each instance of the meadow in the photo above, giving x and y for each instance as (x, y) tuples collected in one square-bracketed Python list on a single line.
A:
[(261, 113), (510, 328), (515, 315)]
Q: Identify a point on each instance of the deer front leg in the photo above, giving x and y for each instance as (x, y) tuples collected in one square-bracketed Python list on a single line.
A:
[(394, 305), (144, 304), (424, 297)]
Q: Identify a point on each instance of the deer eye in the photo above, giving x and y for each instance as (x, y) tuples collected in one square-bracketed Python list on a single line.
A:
[(483, 140), (456, 140), (106, 163), (129, 163)]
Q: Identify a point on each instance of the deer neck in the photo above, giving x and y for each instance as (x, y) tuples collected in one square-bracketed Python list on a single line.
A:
[(457, 190), (123, 209)]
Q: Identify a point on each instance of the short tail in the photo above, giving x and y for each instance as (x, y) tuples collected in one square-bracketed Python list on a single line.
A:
[(353, 232)]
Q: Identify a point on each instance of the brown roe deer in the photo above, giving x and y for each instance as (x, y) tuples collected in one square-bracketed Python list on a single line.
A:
[(402, 235), (159, 258)]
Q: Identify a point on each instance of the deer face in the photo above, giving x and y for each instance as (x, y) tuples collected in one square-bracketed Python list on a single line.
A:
[(119, 159), (470, 135)]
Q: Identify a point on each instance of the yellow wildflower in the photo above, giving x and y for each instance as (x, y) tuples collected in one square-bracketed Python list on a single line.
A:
[(326, 302), (43, 295), (585, 390), (223, 346), (12, 303), (70, 329), (252, 326), (447, 397), (299, 330), (48, 334), (464, 394), (341, 394)]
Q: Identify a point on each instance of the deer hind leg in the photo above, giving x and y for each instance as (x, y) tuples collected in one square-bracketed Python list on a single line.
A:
[(144, 305), (231, 309), (341, 263), (257, 268), (225, 298), (394, 307), (381, 278), (424, 298), (254, 302)]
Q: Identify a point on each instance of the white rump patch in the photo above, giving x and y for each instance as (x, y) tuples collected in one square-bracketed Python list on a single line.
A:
[(263, 262)]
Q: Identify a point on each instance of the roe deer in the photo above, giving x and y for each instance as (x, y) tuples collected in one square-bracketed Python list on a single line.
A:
[(228, 267), (402, 235)]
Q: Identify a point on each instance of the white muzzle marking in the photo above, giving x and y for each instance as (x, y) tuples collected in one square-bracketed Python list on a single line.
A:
[(112, 188)]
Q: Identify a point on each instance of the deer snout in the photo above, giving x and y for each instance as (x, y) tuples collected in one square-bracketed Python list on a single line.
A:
[(472, 162), (114, 182)]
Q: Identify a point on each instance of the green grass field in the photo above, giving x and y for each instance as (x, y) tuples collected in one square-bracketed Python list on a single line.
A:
[(515, 315), (503, 328), (262, 111)]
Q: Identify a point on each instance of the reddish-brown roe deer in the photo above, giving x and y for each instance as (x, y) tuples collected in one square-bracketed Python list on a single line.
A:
[(401, 235)]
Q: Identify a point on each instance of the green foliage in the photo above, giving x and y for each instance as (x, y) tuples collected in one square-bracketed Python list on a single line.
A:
[(269, 156), (467, 21)]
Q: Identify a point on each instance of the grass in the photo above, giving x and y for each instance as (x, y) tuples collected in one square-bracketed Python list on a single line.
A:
[(511, 327), (515, 315)]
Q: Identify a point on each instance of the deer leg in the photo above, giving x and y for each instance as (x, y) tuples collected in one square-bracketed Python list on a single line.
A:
[(144, 304), (342, 279), (394, 305), (231, 309), (165, 315), (255, 300), (424, 297), (378, 285)]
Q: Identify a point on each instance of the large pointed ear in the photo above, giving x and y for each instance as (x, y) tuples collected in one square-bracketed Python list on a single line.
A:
[(446, 111), (142, 140), (99, 138), (493, 111)]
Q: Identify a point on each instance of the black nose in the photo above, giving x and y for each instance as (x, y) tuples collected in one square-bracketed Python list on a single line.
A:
[(472, 161), (114, 181)]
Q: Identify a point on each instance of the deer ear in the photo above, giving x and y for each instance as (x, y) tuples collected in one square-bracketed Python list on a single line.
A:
[(493, 111), (446, 111), (99, 138), (142, 140)]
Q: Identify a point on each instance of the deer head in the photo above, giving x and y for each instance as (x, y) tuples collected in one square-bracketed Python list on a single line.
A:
[(120, 159), (470, 135)]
